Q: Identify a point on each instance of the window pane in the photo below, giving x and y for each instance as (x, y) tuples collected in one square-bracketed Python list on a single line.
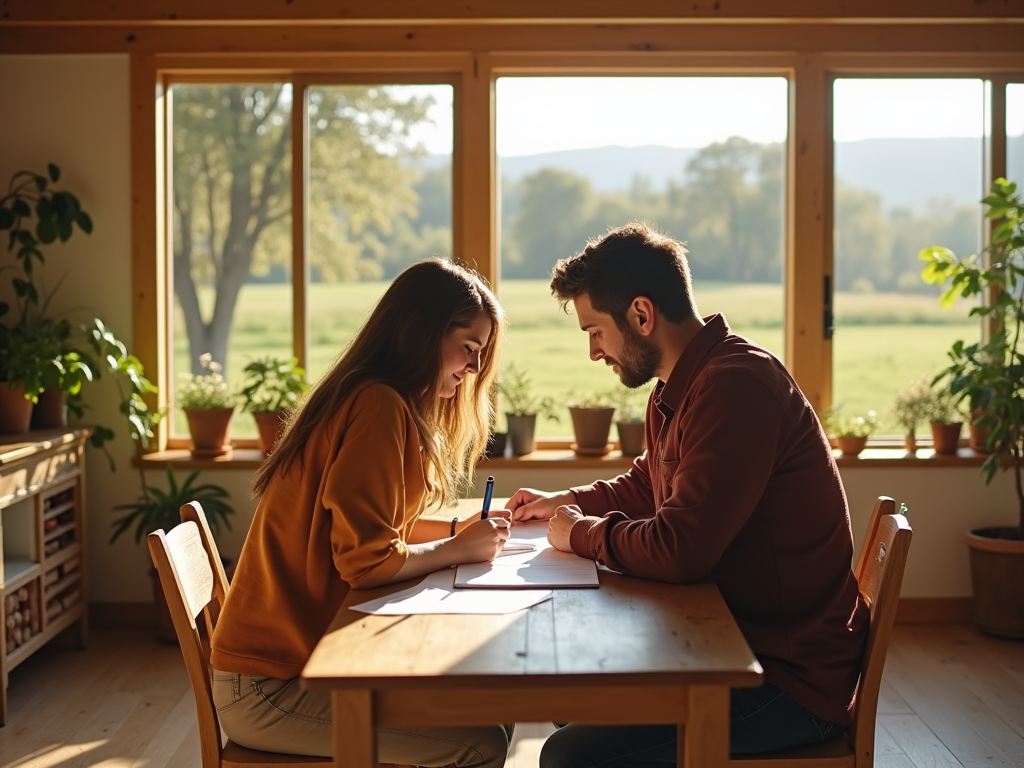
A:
[(702, 158), (231, 234), (908, 174), (380, 198), (1015, 133)]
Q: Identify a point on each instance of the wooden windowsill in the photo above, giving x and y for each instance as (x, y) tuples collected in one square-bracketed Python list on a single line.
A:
[(250, 459)]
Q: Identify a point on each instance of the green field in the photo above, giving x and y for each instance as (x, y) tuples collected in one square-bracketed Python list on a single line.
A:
[(882, 342)]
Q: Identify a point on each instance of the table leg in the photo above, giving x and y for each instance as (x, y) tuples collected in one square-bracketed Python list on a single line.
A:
[(355, 732), (704, 741)]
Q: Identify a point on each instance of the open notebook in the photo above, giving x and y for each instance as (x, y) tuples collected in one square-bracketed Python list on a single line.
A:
[(529, 562)]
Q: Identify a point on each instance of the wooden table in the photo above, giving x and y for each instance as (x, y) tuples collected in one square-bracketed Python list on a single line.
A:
[(631, 652)]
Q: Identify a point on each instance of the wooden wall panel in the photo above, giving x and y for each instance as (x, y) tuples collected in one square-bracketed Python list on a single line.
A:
[(354, 12)]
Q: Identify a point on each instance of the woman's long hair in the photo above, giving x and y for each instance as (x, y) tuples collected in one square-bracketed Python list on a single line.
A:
[(400, 345)]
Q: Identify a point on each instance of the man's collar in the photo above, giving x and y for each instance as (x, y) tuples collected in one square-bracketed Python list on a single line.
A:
[(669, 394)]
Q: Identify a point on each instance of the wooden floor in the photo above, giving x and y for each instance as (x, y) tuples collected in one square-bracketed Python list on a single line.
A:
[(950, 697)]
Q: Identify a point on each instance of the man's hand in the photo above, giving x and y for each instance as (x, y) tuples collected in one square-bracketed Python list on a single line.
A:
[(529, 504), (566, 516)]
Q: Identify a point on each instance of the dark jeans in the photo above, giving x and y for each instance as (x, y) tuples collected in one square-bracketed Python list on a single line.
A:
[(763, 719)]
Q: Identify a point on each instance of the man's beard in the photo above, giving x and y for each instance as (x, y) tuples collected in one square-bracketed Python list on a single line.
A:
[(640, 359)]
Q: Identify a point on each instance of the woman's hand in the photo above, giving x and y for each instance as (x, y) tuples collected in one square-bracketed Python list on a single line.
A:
[(481, 540), (529, 504)]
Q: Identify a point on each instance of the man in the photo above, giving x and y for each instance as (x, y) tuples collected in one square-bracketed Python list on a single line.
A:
[(738, 485)]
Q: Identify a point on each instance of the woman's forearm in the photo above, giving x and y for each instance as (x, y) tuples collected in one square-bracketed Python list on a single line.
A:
[(425, 558)]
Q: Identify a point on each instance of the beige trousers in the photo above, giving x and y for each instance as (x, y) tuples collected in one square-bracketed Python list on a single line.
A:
[(279, 716)]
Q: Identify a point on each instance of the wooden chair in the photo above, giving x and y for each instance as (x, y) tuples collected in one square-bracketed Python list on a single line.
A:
[(880, 577), (884, 505), (194, 511), (182, 558)]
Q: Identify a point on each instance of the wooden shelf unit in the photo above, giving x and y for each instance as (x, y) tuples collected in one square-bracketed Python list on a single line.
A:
[(42, 551)]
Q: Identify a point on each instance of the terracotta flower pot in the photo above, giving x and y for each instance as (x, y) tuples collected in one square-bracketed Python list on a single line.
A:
[(997, 581), (210, 429), (15, 410), (632, 437), (591, 427), (851, 446), (946, 437), (910, 444), (51, 412), (270, 425)]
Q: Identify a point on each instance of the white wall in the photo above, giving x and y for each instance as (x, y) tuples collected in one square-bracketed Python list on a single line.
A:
[(74, 111)]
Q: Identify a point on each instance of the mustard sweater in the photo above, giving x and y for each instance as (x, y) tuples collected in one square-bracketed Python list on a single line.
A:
[(338, 521)]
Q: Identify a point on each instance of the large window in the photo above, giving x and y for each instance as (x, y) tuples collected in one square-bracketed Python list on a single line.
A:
[(377, 197), (702, 158), (908, 174), (296, 198)]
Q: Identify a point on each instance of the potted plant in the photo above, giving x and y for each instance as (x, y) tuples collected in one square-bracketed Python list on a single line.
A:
[(911, 407), (35, 354), (522, 407), (272, 387), (992, 373), (159, 508), (591, 422), (944, 418), (209, 405), (850, 433), (629, 412)]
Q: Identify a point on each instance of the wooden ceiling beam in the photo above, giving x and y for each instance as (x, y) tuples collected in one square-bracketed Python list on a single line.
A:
[(641, 41), (496, 12)]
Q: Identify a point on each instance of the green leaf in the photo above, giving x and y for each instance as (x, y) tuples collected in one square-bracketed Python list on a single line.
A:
[(54, 172), (46, 230), (84, 222), (7, 218)]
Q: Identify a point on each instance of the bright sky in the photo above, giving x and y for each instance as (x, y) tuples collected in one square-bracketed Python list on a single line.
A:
[(547, 114)]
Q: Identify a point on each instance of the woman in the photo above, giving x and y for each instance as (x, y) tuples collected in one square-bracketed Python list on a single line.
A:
[(398, 423)]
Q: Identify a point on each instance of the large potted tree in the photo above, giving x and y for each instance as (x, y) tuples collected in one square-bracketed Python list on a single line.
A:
[(990, 375)]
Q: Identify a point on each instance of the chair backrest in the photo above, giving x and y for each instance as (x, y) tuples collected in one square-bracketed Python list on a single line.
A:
[(880, 580), (193, 511), (884, 505), (187, 579)]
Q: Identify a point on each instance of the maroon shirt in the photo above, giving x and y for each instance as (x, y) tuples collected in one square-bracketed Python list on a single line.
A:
[(738, 484)]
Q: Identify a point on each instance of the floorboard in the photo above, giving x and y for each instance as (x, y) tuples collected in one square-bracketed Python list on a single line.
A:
[(950, 698)]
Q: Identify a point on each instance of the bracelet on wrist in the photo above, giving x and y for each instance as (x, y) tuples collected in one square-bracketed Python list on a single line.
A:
[(454, 521)]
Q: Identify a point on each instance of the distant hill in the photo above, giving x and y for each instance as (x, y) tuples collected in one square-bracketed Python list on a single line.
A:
[(906, 172), (609, 169)]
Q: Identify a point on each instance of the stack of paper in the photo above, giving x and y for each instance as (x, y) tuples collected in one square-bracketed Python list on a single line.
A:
[(435, 595), (540, 566)]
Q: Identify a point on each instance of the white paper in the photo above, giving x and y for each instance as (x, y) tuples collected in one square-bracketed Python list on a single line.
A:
[(435, 594), (516, 546), (543, 566)]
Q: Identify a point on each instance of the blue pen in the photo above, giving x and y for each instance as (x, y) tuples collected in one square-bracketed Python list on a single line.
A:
[(488, 492)]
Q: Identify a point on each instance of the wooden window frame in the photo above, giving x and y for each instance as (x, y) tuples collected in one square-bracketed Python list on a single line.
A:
[(809, 178)]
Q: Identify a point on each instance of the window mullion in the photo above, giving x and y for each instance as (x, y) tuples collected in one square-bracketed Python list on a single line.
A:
[(300, 197)]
